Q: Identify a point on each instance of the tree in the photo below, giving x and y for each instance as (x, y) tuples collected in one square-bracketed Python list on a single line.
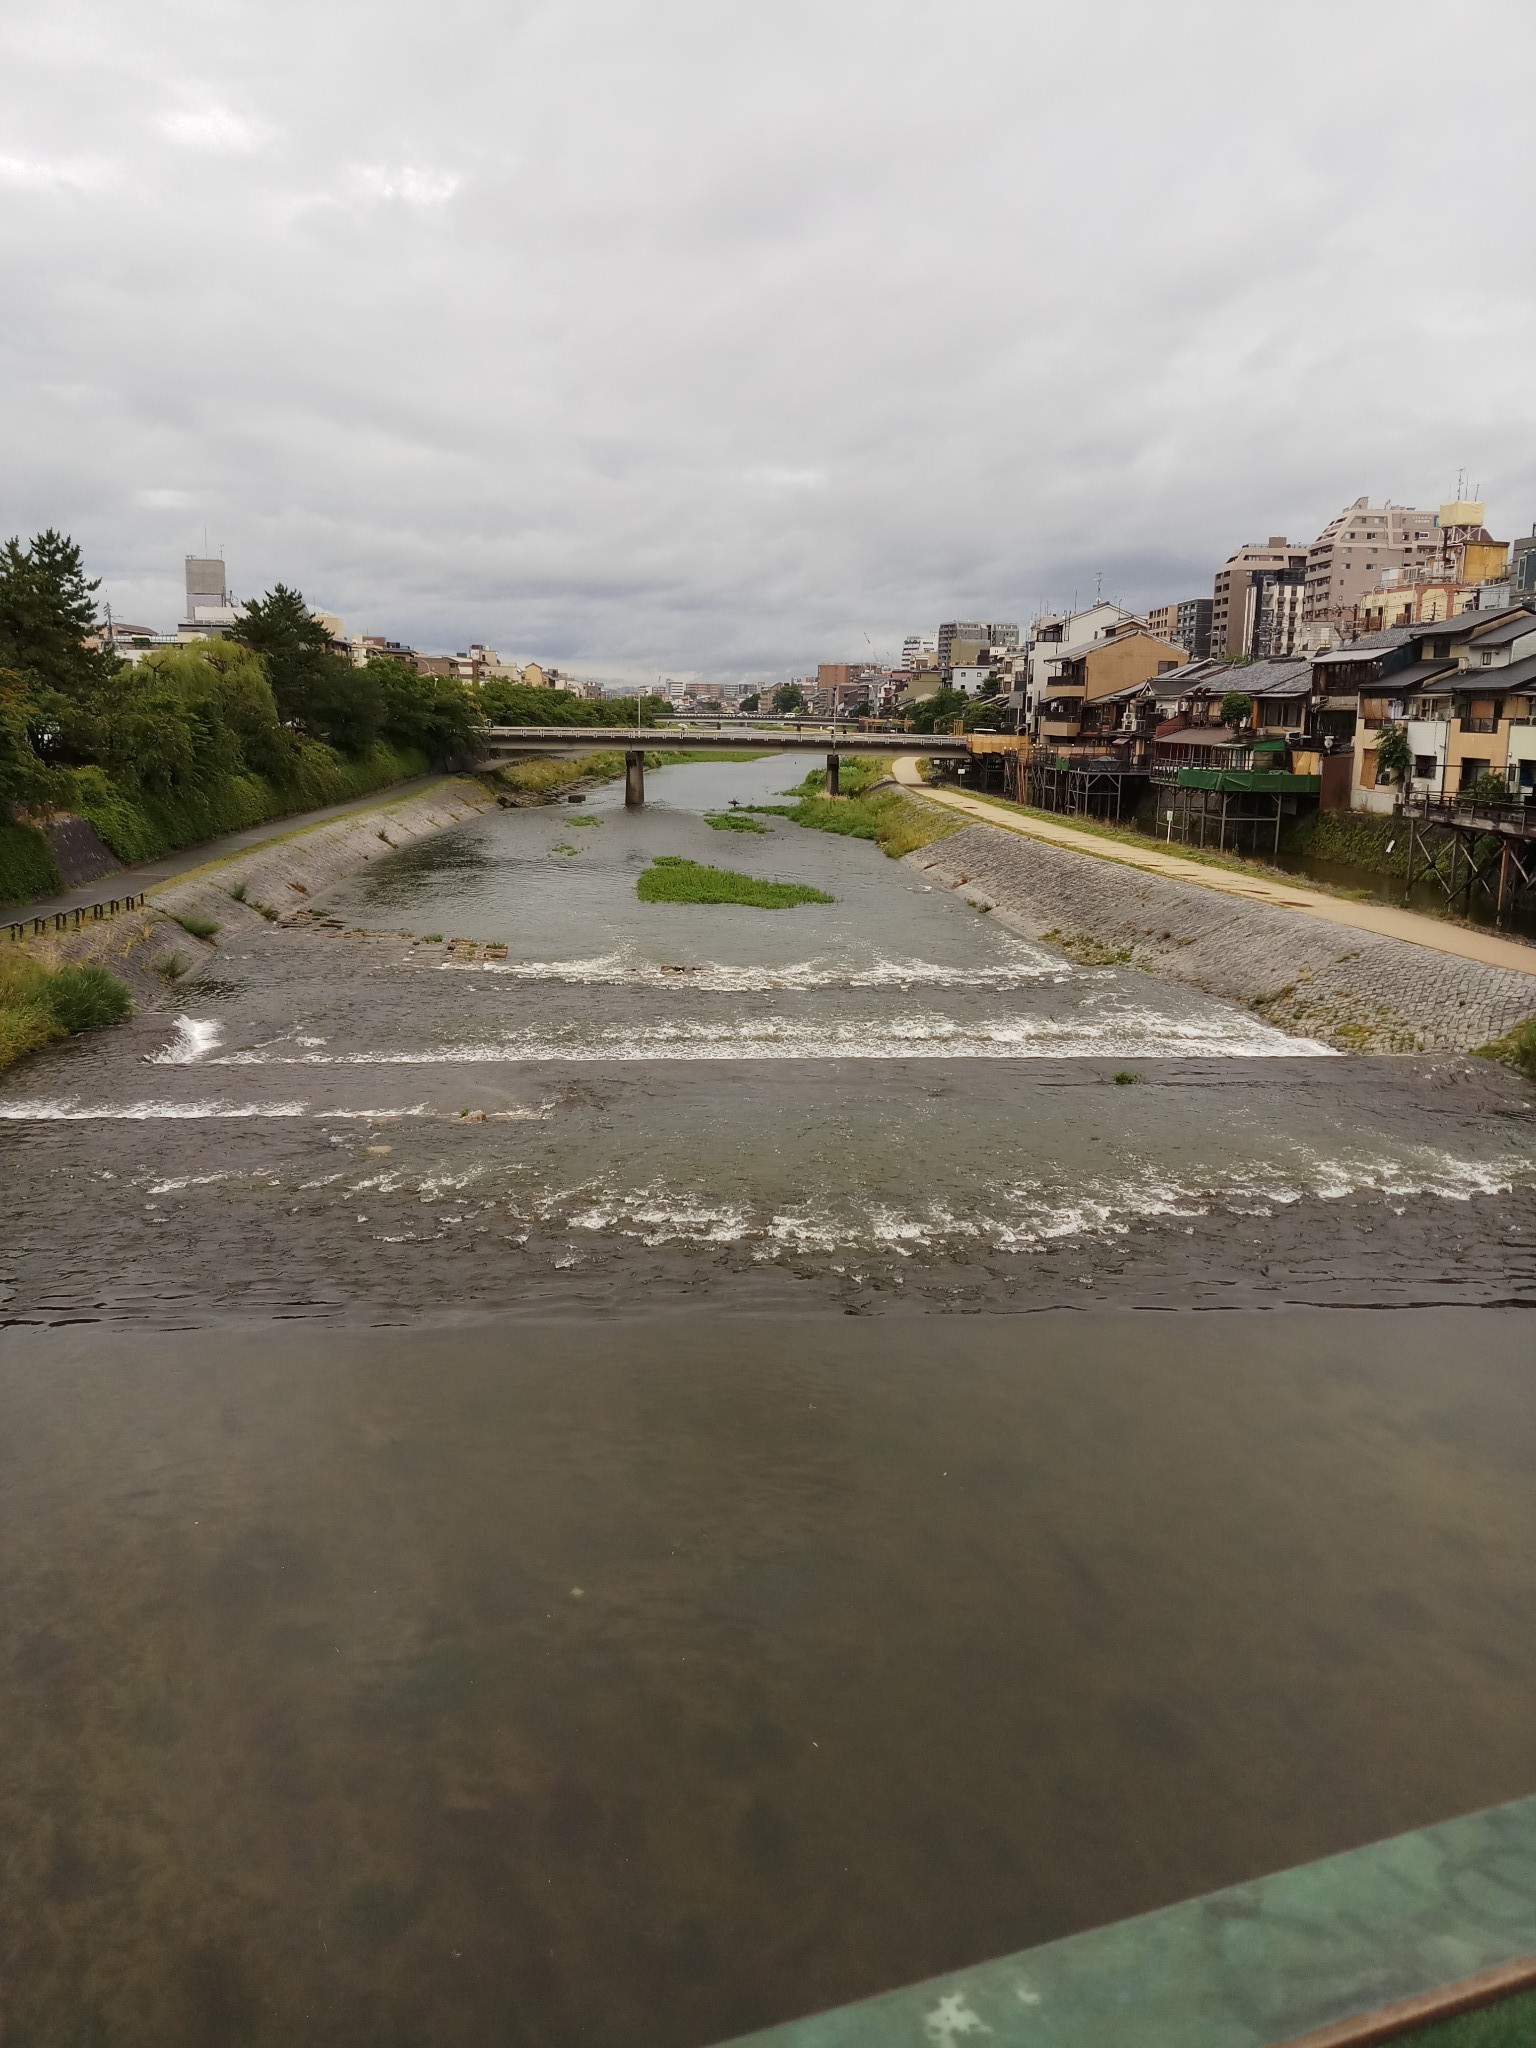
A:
[(436, 715), (1486, 788), (223, 685), (750, 702), (788, 698), (25, 778), (985, 715), (991, 683), (318, 690), (47, 611), (943, 708), (1394, 756), (501, 702), (1236, 709)]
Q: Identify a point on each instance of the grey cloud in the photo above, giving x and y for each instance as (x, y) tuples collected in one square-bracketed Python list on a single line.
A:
[(656, 334)]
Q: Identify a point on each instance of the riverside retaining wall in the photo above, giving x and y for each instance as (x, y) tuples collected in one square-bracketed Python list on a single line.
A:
[(1352, 989), (282, 874)]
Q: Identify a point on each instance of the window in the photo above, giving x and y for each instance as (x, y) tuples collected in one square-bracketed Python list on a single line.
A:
[(1425, 767)]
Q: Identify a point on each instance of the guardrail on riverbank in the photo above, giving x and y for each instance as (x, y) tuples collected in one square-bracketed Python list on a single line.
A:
[(67, 920)]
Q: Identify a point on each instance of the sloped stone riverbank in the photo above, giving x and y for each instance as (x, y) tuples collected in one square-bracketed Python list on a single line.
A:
[(1353, 990)]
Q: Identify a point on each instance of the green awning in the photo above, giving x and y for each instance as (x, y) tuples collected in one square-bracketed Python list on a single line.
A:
[(1258, 781)]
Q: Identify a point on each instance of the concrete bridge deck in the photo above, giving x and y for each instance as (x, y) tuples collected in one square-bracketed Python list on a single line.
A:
[(507, 742), (513, 742)]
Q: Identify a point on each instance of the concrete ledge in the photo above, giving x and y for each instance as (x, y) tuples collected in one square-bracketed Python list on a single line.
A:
[(1353, 1949)]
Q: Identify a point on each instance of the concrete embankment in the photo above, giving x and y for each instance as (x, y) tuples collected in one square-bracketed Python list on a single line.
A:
[(278, 877), (1353, 989), (249, 888)]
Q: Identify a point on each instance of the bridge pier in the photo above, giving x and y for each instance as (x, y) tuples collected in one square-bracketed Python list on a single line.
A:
[(832, 788), (634, 781)]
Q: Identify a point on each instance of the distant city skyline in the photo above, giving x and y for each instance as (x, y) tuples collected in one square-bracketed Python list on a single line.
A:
[(630, 337)]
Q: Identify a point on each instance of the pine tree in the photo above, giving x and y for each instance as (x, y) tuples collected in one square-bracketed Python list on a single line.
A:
[(317, 689), (47, 609)]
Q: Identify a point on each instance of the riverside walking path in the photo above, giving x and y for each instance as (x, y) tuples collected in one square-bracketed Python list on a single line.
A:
[(149, 875), (1383, 919)]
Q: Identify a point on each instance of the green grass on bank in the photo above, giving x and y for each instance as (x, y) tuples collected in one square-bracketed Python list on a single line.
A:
[(733, 821), (671, 879), (544, 774), (1515, 1049), (39, 1004), (894, 822)]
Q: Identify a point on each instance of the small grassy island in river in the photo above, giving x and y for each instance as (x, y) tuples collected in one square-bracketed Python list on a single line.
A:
[(671, 879)]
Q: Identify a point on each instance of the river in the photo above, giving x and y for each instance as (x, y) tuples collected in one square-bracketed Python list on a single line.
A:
[(621, 1491)]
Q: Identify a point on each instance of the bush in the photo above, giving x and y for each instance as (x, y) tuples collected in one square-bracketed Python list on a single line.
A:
[(200, 927), (27, 865), (1236, 708), (85, 998), (1516, 1049), (39, 1004), (143, 826), (1394, 755), (26, 1024), (1487, 788)]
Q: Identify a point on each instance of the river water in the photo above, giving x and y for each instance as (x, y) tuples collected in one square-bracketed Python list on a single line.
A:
[(621, 1491)]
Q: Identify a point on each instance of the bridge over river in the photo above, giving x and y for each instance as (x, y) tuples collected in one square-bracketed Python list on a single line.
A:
[(500, 743)]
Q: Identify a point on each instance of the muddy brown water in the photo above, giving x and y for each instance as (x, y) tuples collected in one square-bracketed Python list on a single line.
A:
[(627, 1492)]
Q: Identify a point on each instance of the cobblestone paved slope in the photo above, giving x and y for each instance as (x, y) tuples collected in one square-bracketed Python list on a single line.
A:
[(1351, 989)]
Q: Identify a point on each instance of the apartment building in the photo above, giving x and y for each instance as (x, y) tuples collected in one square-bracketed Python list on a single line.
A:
[(1231, 619), (1080, 675), (1052, 637), (1188, 621), (1272, 613), (969, 640), (1349, 555)]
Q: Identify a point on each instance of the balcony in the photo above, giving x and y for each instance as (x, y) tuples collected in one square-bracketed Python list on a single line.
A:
[(1512, 820)]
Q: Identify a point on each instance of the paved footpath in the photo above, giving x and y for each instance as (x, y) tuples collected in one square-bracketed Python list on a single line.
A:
[(154, 874), (1382, 919)]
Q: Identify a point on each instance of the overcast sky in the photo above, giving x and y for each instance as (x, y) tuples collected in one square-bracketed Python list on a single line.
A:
[(713, 336)]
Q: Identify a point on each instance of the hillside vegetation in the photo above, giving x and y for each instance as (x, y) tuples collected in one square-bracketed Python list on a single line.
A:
[(191, 741)]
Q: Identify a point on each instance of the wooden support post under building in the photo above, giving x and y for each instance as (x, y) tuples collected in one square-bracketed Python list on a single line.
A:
[(1498, 915), (634, 781), (832, 786)]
